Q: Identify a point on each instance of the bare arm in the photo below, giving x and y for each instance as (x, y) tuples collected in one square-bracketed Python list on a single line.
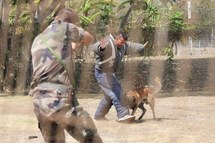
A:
[(87, 39)]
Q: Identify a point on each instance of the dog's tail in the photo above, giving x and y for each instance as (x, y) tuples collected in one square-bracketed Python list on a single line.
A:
[(157, 87)]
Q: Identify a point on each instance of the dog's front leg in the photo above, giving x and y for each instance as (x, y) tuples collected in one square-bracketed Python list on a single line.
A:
[(141, 106), (133, 110)]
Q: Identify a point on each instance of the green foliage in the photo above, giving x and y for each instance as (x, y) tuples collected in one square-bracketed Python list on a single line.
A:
[(152, 15), (77, 75), (124, 4), (25, 17), (144, 13), (86, 14), (106, 11), (147, 14), (88, 17), (87, 9), (205, 13), (12, 16), (13, 2), (206, 19), (176, 26), (36, 1), (22, 21), (169, 76), (177, 21), (169, 52)]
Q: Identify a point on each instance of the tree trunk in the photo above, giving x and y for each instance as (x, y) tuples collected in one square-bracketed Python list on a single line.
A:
[(4, 41), (47, 10), (22, 75), (23, 81), (12, 59)]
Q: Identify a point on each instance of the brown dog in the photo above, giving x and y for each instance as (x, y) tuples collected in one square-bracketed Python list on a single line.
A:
[(138, 96)]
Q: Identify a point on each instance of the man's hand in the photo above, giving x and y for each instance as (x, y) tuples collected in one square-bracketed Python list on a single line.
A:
[(76, 45), (103, 43)]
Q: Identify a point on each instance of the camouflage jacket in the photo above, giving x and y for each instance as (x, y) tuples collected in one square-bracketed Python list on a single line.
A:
[(109, 59), (46, 68)]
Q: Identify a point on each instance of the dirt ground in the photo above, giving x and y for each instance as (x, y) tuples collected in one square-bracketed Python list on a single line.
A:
[(187, 119)]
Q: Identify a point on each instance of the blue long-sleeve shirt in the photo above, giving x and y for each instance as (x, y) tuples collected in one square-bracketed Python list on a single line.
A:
[(108, 59)]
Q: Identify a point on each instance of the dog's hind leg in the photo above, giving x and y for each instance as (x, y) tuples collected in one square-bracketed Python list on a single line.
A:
[(151, 98), (153, 111), (141, 106)]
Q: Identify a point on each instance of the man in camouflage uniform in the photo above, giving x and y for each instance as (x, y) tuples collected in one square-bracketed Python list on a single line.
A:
[(54, 104)]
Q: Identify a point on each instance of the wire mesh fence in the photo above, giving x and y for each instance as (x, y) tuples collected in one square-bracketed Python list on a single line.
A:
[(196, 47)]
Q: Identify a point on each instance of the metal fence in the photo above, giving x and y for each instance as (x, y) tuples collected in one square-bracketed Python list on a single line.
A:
[(195, 47)]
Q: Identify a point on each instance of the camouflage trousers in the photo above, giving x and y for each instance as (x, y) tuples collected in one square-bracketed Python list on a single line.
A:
[(55, 113)]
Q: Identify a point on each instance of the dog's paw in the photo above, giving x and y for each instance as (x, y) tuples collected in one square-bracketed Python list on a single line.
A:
[(140, 118)]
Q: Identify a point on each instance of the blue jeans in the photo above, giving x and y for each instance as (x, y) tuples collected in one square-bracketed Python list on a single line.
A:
[(112, 90)]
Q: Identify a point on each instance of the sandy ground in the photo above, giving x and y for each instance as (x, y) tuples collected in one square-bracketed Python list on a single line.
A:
[(189, 119)]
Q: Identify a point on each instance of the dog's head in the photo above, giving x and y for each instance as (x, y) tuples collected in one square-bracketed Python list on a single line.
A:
[(132, 98)]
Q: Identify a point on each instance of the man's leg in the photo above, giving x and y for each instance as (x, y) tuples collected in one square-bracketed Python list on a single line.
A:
[(103, 108), (105, 103), (52, 132), (81, 126), (55, 114), (123, 111), (112, 90)]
